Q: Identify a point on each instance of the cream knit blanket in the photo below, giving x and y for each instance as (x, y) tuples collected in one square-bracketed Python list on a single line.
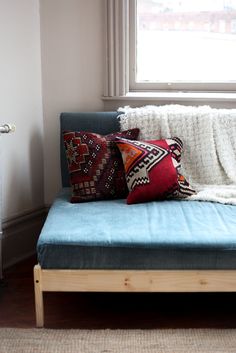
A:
[(209, 137)]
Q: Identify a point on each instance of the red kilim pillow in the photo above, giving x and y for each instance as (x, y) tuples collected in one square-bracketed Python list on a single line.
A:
[(152, 169), (95, 165)]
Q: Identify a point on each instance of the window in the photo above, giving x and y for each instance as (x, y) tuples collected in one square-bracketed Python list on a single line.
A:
[(187, 45), (183, 44)]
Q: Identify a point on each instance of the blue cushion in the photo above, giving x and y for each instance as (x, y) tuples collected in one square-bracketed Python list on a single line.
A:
[(102, 123), (155, 235)]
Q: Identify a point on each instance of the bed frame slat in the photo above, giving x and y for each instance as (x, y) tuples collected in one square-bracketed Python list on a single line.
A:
[(129, 281)]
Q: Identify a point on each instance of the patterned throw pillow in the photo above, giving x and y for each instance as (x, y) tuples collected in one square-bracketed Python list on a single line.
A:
[(153, 169), (95, 165)]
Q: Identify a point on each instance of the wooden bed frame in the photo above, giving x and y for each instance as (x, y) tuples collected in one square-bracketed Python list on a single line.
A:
[(128, 281)]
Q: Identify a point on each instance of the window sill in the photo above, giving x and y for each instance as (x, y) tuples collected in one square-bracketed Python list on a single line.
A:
[(176, 96)]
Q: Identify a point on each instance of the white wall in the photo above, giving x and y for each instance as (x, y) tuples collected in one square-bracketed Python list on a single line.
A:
[(72, 66), (72, 54), (21, 104)]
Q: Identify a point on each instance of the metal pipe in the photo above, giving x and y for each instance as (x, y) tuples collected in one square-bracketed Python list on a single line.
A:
[(6, 128)]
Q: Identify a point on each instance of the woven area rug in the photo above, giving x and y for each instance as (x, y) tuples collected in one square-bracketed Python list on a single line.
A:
[(118, 341)]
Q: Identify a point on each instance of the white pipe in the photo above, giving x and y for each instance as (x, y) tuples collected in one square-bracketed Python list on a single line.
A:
[(6, 128)]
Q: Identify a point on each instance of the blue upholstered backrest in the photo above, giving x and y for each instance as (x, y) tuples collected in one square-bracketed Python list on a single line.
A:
[(101, 122)]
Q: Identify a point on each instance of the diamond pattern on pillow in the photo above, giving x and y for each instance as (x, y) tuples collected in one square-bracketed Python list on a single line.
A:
[(153, 169), (95, 165)]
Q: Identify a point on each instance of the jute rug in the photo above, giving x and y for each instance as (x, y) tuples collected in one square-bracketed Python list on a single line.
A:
[(117, 341)]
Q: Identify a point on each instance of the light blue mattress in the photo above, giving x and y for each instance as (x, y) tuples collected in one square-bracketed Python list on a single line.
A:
[(155, 235)]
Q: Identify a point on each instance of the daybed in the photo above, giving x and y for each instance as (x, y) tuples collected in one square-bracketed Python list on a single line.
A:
[(160, 246)]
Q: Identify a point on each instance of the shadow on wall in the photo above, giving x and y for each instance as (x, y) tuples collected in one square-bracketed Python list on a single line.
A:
[(37, 168), (24, 188), (23, 181)]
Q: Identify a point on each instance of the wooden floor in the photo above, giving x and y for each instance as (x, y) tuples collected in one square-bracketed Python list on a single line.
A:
[(103, 310)]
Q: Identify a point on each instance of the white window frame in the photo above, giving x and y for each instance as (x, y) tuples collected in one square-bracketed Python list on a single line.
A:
[(117, 48), (121, 58)]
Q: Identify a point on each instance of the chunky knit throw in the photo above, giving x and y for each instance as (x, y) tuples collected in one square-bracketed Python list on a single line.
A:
[(209, 136)]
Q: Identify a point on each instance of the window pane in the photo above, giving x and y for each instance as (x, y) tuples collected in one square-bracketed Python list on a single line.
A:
[(186, 40)]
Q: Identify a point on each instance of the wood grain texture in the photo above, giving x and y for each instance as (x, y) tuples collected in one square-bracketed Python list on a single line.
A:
[(38, 293), (128, 310), (139, 281), (129, 281)]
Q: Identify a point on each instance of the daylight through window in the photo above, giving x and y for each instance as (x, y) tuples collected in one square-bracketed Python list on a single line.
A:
[(185, 41)]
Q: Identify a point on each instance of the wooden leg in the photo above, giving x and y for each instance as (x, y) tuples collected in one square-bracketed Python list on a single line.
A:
[(39, 310)]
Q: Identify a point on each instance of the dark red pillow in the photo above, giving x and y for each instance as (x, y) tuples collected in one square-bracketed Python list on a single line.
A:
[(152, 169), (95, 165)]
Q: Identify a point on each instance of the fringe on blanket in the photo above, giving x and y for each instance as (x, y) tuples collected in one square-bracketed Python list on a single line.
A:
[(209, 137)]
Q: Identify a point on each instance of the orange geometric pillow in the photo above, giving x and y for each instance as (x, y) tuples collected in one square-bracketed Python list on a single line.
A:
[(153, 169)]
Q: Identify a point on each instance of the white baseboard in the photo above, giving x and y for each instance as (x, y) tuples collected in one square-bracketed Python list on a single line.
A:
[(20, 236)]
